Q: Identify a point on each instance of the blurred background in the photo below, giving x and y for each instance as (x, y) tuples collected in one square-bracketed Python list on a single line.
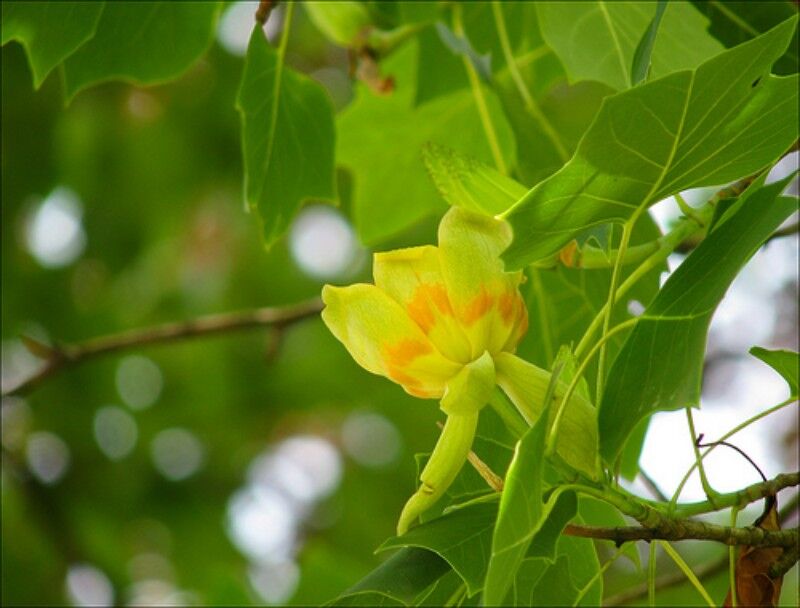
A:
[(250, 467)]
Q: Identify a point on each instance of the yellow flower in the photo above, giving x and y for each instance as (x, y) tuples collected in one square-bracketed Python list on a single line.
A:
[(443, 323)]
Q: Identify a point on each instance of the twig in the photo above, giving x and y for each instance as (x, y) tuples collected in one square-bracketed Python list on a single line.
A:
[(64, 356), (787, 231), (264, 9), (751, 536), (676, 578)]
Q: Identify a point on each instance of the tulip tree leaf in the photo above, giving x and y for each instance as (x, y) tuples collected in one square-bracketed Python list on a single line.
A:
[(726, 119), (142, 42), (462, 537), (598, 40), (49, 31), (287, 138), (784, 362), (397, 581), (391, 190), (660, 366), (734, 22)]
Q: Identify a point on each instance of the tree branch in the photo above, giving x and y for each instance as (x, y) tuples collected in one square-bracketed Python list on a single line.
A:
[(743, 497), (61, 357), (689, 529)]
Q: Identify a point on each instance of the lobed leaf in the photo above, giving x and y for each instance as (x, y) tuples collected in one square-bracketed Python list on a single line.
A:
[(784, 362), (726, 119), (287, 138)]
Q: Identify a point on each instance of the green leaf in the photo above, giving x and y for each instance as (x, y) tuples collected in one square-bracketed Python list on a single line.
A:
[(660, 366), (644, 50), (400, 579), (49, 31), (341, 22), (784, 362), (599, 513), (563, 509), (381, 140), (468, 183), (460, 46), (287, 138), (462, 537), (725, 120), (598, 40), (735, 22), (143, 43), (521, 512)]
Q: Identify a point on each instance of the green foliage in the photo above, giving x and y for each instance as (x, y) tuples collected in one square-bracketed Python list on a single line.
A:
[(568, 119), (784, 362), (49, 31), (674, 327), (685, 130), (287, 138), (598, 40), (142, 42)]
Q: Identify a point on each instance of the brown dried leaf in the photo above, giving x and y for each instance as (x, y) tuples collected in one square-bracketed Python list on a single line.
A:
[(754, 587)]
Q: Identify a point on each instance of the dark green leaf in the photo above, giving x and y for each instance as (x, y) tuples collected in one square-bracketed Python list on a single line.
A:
[(704, 127), (660, 366), (735, 22), (462, 537), (644, 50), (287, 138), (784, 362), (381, 139), (545, 541), (142, 42), (49, 31), (400, 579), (597, 40)]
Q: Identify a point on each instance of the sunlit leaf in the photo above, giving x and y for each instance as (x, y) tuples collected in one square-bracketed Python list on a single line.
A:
[(598, 40), (660, 366), (692, 128)]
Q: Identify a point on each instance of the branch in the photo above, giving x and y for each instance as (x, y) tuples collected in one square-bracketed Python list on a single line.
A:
[(688, 529), (743, 497), (62, 357)]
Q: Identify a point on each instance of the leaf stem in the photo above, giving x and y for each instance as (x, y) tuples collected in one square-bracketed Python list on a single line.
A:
[(597, 576), (731, 433), (480, 99), (530, 103), (651, 576), (710, 492), (732, 562), (688, 572)]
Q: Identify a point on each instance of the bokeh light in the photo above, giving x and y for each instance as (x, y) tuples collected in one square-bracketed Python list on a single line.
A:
[(371, 439), (177, 453), (115, 431), (54, 232), (47, 456), (139, 381), (323, 244), (88, 586)]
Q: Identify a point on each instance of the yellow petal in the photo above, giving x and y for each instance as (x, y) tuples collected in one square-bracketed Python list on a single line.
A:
[(485, 299), (413, 278), (442, 467), (384, 340)]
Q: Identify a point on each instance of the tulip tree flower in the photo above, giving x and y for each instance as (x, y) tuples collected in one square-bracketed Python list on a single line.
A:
[(443, 322)]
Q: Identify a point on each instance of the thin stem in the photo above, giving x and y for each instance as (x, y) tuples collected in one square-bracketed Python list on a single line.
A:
[(710, 492), (790, 230), (66, 356), (727, 435), (530, 103), (651, 576), (751, 493), (732, 561), (627, 229), (688, 572), (551, 439), (651, 485), (480, 99)]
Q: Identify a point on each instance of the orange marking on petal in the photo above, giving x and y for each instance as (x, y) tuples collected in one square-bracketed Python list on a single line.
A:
[(420, 307), (507, 305), (404, 352), (477, 308)]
